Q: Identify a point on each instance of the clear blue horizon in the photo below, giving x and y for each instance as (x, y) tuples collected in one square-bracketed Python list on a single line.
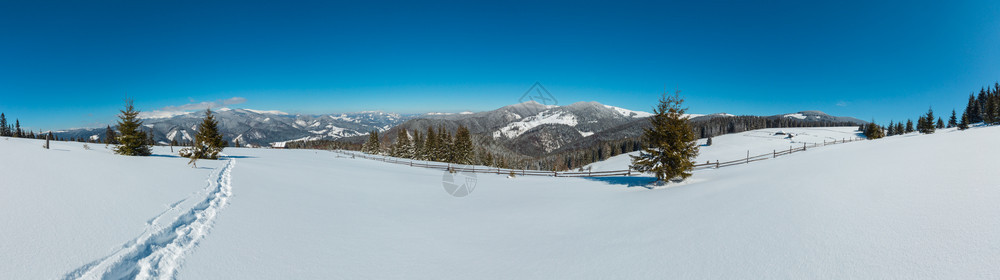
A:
[(71, 64)]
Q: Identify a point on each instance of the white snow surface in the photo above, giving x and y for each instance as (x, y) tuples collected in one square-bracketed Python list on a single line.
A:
[(629, 113), (271, 112), (904, 207), (735, 146), (514, 129), (796, 115)]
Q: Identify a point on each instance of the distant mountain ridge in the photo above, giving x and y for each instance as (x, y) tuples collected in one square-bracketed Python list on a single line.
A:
[(260, 128), (528, 129)]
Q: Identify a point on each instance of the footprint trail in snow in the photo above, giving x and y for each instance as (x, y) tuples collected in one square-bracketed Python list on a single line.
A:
[(159, 251)]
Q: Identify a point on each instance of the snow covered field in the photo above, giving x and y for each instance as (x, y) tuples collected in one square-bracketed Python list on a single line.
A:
[(756, 142), (914, 206)]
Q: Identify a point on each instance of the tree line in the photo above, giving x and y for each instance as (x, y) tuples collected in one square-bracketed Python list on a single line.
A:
[(433, 145), (982, 108)]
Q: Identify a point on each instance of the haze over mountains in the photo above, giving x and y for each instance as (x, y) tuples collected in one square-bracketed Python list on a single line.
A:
[(529, 128)]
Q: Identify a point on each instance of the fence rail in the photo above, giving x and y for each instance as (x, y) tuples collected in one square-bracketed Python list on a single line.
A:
[(626, 172)]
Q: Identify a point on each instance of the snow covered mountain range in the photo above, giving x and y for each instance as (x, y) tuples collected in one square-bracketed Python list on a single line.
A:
[(261, 128), (528, 128)]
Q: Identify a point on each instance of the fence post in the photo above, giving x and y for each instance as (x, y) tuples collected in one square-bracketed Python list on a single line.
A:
[(774, 153), (555, 174), (748, 156), (629, 171), (716, 164), (803, 147)]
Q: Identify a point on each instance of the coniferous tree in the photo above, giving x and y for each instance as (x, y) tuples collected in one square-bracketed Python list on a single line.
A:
[(463, 146), (972, 110), (17, 128), (372, 146), (402, 148), (940, 123), (131, 137), (928, 122), (109, 136), (444, 145), (964, 124), (873, 131), (909, 126), (953, 120), (431, 145), (4, 130), (671, 146), (208, 142), (418, 145), (708, 142), (981, 102)]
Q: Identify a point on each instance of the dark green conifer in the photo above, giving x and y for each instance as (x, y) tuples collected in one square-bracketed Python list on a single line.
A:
[(131, 137), (670, 142), (953, 120)]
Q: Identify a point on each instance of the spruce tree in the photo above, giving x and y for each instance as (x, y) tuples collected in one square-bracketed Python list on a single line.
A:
[(17, 128), (131, 137), (463, 146), (981, 101), (4, 130), (372, 146), (909, 126), (928, 122), (964, 124), (940, 124), (431, 145), (418, 144), (873, 131), (109, 136), (972, 109), (670, 142), (444, 145), (208, 143), (402, 148), (953, 120)]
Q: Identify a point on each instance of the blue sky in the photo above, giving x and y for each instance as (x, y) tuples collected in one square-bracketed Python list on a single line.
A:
[(70, 64)]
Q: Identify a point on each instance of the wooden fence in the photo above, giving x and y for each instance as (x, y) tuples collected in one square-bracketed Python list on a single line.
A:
[(627, 172)]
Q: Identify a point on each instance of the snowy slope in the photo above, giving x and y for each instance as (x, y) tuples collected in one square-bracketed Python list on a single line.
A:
[(735, 146), (67, 206), (915, 206)]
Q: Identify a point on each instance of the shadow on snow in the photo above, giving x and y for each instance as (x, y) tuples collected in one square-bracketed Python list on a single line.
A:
[(624, 180)]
